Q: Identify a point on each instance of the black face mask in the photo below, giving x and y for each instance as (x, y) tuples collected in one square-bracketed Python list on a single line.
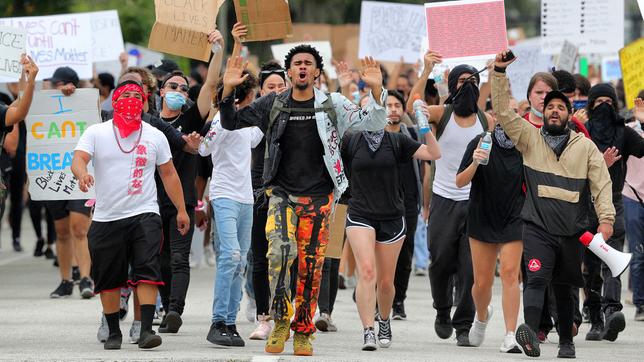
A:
[(465, 99), (603, 125)]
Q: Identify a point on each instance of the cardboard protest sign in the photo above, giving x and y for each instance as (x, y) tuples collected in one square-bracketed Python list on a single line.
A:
[(530, 60), (107, 40), (479, 32), (631, 58), (56, 41), (265, 19), (595, 26), (182, 27), (54, 126), (324, 47), (611, 69), (336, 233), (12, 46), (391, 31), (567, 57)]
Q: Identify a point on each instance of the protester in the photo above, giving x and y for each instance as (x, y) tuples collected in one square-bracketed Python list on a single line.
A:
[(303, 176), (376, 222), (494, 227), (104, 82), (608, 131), (559, 165)]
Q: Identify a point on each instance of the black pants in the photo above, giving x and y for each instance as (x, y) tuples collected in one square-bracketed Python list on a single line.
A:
[(35, 213), (598, 277), (259, 248), (450, 251), (175, 260), (555, 261), (329, 285), (17, 181), (403, 266)]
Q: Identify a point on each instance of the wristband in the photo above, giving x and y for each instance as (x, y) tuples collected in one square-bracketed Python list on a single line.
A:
[(499, 69)]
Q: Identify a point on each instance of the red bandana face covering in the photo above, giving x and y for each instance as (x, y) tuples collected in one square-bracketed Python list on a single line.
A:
[(127, 111)]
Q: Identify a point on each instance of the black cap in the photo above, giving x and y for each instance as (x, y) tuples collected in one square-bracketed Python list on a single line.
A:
[(65, 75), (164, 67), (555, 94)]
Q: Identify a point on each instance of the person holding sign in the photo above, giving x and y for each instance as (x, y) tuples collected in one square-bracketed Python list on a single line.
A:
[(560, 165), (303, 177), (126, 226)]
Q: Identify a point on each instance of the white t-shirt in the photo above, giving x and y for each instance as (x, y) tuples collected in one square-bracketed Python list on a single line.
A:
[(230, 152), (124, 182)]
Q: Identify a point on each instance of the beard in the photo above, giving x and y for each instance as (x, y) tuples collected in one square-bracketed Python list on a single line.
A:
[(301, 86), (555, 129), (393, 121)]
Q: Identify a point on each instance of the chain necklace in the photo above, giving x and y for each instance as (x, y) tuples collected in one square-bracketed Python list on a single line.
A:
[(138, 139)]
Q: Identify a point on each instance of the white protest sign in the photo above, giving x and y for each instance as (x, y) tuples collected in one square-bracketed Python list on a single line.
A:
[(640, 3), (595, 26), (530, 60), (567, 57), (54, 126), (389, 31), (57, 41), (107, 40), (142, 56), (324, 47), (12, 46), (611, 68)]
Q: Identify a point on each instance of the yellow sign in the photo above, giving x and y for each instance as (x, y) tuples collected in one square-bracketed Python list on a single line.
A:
[(631, 57)]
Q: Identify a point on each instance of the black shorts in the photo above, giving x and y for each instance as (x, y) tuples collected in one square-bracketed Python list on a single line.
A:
[(60, 209), (387, 232), (135, 241), (556, 259)]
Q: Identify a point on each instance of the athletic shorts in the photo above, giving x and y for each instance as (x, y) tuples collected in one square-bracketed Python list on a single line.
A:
[(60, 209), (135, 241), (387, 231)]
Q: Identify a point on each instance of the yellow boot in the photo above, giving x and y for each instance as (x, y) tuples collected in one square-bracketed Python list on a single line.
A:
[(279, 336), (302, 344)]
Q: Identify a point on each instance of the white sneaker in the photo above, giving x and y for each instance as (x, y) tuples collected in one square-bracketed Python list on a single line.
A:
[(209, 255), (251, 309), (103, 330), (477, 332), (420, 272), (263, 329), (135, 332), (192, 262), (510, 344), (350, 282)]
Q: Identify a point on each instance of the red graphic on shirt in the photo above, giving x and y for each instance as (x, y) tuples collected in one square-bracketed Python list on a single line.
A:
[(337, 167), (534, 265), (135, 186)]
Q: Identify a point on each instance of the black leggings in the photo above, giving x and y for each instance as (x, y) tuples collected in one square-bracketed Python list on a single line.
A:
[(35, 212), (403, 266), (17, 181), (259, 248), (329, 285)]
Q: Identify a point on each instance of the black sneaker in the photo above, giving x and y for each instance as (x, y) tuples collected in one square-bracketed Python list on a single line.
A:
[(384, 332), (218, 334), (149, 339), (463, 339), (639, 313), (235, 338), (16, 246), (172, 323), (40, 243), (55, 261), (615, 323), (399, 311), (527, 339), (64, 290), (443, 326), (566, 350), (113, 341), (49, 254), (369, 340), (76, 275), (585, 314), (595, 332), (86, 288)]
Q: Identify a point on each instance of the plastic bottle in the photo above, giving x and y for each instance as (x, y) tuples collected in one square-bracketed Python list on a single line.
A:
[(441, 85), (486, 145), (423, 122)]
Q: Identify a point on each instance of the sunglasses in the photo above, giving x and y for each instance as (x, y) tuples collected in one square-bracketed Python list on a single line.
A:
[(175, 86), (282, 71)]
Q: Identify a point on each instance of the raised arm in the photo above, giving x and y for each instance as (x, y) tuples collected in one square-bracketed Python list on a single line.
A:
[(204, 101), (344, 78), (430, 59), (19, 109)]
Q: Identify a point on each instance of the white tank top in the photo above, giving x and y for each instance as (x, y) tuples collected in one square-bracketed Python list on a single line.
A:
[(453, 143)]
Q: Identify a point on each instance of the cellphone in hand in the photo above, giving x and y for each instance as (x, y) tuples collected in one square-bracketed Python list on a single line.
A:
[(508, 56)]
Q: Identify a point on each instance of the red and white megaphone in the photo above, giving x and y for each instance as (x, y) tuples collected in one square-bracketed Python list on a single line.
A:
[(616, 261)]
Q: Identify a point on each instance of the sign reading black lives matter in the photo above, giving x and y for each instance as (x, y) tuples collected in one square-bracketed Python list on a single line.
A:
[(12, 46)]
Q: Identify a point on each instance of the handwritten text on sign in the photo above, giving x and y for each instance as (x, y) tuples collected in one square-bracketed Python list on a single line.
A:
[(12, 45), (54, 125), (56, 41), (631, 58)]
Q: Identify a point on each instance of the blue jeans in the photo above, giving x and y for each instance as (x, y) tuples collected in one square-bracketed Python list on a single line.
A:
[(232, 224), (421, 250), (634, 220)]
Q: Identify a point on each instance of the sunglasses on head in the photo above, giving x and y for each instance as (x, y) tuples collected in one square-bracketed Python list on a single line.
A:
[(175, 86), (282, 71)]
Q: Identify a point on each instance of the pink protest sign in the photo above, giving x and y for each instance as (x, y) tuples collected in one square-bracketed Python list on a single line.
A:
[(466, 28)]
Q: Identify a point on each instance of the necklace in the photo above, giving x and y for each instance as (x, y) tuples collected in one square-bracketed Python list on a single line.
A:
[(138, 139)]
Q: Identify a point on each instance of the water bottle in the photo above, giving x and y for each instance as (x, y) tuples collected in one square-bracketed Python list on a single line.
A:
[(486, 145), (423, 122)]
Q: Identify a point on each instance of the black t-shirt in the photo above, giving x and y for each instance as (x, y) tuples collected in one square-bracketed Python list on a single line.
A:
[(185, 163), (409, 185), (376, 190), (301, 170), (496, 194)]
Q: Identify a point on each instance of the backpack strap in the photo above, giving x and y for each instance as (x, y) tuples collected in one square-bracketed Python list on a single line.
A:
[(328, 107), (483, 120), (395, 144), (447, 114)]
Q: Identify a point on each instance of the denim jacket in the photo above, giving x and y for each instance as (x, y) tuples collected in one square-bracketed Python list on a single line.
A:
[(372, 117)]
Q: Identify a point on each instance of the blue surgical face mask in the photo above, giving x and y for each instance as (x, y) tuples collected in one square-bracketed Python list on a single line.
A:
[(174, 100), (535, 112)]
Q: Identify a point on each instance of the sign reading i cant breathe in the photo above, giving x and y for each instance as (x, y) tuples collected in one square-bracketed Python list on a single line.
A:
[(55, 123)]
